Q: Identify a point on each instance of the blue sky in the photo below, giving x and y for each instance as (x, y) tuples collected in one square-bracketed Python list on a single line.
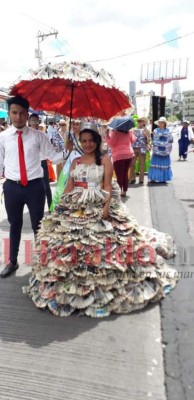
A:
[(171, 35)]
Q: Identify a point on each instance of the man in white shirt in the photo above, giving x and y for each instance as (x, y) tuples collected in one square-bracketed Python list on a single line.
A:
[(23, 172), (51, 131)]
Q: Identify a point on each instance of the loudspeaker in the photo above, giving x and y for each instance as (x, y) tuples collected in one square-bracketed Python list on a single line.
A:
[(158, 109)]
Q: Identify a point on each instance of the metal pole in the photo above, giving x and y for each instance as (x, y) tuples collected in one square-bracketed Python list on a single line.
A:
[(162, 88), (39, 55), (186, 67), (71, 107), (43, 36)]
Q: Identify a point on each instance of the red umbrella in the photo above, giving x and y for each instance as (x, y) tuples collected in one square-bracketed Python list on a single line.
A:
[(72, 89)]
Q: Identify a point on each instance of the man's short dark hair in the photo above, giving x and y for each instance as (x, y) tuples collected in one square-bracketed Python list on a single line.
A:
[(19, 100)]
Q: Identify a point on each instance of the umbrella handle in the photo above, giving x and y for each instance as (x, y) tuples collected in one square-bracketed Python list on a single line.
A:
[(71, 108)]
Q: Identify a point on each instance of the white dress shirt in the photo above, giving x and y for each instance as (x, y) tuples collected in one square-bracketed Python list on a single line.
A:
[(190, 132), (51, 131), (35, 145)]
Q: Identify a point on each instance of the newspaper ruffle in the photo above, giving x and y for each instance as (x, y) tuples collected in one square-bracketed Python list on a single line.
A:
[(97, 267), (75, 71)]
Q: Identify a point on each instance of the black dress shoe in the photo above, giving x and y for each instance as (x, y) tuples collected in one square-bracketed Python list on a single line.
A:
[(132, 182), (9, 269)]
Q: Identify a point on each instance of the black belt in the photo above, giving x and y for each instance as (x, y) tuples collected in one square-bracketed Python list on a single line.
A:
[(19, 182)]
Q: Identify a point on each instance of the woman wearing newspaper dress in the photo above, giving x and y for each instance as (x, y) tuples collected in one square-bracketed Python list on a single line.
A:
[(92, 257)]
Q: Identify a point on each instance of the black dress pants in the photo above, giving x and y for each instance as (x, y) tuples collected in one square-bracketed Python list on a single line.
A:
[(46, 182), (16, 197)]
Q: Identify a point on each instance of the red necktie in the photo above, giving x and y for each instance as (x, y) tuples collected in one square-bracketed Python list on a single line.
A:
[(23, 174)]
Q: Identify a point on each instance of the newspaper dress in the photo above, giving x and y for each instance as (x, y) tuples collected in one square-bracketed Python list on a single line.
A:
[(97, 267)]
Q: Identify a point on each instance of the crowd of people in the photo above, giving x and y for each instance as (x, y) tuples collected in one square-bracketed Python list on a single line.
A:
[(95, 253)]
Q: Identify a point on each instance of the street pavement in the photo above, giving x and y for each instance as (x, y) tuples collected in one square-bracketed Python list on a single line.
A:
[(173, 211), (43, 357), (143, 355)]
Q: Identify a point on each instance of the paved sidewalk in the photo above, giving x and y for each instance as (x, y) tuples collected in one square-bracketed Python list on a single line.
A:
[(43, 357)]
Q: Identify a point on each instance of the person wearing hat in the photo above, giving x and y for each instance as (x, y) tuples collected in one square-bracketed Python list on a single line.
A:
[(51, 172), (160, 166), (42, 127), (120, 143), (33, 122), (185, 137), (140, 148), (59, 142), (75, 150), (91, 141)]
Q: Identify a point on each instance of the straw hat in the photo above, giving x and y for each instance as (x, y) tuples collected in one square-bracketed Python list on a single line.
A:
[(144, 119), (62, 122), (161, 119), (42, 125)]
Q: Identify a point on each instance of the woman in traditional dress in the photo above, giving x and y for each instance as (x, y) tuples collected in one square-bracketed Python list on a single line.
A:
[(141, 146), (60, 142), (160, 166), (92, 257)]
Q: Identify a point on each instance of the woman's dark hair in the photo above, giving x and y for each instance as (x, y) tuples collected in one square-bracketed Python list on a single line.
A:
[(19, 100), (98, 140), (34, 115), (122, 131)]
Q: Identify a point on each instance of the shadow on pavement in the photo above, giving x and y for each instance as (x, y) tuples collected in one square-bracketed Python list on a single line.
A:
[(189, 200), (136, 185), (21, 321), (158, 183)]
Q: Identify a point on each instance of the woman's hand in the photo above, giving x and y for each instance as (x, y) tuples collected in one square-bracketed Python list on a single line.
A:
[(107, 186), (105, 214)]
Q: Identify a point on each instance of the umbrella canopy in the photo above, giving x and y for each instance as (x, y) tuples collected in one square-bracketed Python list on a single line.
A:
[(72, 89), (123, 124)]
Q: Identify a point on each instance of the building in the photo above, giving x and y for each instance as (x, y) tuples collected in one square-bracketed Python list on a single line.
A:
[(132, 94), (3, 106), (152, 93), (176, 94), (188, 105), (3, 97), (143, 105)]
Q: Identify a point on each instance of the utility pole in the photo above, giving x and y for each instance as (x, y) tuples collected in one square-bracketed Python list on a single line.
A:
[(41, 36)]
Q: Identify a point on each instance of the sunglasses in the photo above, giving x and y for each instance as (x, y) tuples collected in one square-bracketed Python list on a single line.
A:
[(76, 123)]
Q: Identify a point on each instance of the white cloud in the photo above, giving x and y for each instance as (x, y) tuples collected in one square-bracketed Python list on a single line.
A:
[(90, 30)]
